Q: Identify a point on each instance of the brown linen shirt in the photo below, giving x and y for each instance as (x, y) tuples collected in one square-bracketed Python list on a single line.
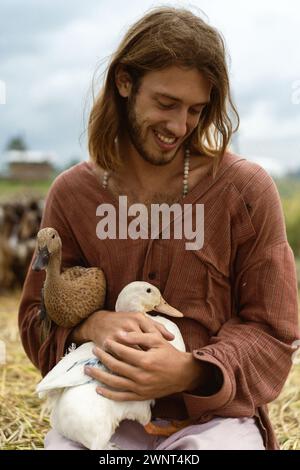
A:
[(238, 293)]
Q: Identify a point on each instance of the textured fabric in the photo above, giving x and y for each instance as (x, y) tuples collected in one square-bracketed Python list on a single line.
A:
[(218, 434), (238, 293)]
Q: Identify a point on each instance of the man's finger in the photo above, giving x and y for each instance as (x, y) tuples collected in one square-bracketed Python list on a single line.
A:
[(122, 353), (145, 340), (119, 396), (128, 354), (151, 326), (115, 365), (110, 380), (166, 333)]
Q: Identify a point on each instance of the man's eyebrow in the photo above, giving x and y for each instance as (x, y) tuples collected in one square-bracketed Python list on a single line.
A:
[(174, 98)]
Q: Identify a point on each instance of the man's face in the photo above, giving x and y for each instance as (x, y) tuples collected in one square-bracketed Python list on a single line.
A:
[(165, 111)]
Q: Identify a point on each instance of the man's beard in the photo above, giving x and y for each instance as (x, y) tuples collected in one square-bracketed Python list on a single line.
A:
[(135, 134)]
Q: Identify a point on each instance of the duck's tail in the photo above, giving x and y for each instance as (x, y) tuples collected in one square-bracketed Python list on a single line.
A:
[(51, 398), (46, 324)]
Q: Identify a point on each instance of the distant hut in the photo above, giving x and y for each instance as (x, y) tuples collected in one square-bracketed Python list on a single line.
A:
[(28, 165)]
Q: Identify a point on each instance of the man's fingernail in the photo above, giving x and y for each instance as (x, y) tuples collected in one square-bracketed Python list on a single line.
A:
[(87, 370)]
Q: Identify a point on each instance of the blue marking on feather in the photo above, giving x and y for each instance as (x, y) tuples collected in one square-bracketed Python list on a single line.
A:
[(87, 362)]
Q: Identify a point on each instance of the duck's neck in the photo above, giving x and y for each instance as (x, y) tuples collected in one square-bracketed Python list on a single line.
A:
[(53, 269), (132, 304)]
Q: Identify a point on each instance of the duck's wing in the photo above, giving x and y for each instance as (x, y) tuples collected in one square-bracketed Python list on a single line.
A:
[(73, 273), (69, 371), (76, 272)]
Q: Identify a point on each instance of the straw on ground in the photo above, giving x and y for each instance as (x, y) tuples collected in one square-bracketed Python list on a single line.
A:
[(24, 423)]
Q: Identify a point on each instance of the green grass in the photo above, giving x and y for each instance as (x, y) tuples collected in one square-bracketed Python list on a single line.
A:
[(14, 189), (288, 187), (298, 272)]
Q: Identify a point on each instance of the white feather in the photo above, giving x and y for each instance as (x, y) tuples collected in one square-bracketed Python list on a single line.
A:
[(78, 412)]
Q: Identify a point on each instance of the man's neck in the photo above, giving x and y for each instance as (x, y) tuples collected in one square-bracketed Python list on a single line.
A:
[(141, 174)]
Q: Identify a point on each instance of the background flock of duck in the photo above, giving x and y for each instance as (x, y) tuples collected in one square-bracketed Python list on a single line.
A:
[(19, 224)]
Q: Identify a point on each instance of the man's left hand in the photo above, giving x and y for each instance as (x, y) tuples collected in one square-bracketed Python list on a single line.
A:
[(156, 370)]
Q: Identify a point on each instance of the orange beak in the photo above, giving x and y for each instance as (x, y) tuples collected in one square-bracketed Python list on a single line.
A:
[(164, 307)]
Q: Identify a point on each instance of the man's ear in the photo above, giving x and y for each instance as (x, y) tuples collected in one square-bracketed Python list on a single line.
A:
[(123, 81)]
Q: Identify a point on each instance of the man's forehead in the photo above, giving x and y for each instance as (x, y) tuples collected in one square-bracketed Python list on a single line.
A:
[(178, 84)]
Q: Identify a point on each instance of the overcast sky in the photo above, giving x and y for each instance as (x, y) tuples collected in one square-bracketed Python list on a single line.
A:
[(50, 49)]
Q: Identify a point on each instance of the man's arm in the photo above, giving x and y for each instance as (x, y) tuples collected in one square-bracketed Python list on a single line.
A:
[(253, 349)]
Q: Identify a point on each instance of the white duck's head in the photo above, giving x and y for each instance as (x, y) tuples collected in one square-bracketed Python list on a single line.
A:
[(140, 296)]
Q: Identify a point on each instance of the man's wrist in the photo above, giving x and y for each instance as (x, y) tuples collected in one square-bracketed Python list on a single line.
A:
[(205, 379), (79, 334), (195, 371)]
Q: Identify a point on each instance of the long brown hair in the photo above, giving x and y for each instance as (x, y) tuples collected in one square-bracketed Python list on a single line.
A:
[(165, 36)]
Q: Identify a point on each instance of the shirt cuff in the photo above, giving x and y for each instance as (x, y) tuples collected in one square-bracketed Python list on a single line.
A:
[(199, 406)]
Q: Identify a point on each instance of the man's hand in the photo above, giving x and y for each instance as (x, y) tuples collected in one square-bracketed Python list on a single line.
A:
[(106, 325), (157, 370)]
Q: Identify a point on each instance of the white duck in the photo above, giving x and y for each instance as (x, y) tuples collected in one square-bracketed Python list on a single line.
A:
[(78, 412)]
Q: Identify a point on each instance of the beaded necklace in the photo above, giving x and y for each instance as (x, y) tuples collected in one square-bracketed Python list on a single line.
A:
[(186, 168)]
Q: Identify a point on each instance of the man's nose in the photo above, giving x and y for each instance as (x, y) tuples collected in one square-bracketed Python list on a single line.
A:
[(177, 125)]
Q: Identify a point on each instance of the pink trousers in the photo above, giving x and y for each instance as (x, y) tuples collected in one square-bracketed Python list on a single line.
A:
[(217, 434)]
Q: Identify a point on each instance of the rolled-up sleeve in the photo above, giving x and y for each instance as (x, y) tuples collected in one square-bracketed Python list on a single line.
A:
[(253, 349), (45, 355)]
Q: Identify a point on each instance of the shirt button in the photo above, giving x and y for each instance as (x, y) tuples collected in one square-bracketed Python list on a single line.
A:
[(152, 275)]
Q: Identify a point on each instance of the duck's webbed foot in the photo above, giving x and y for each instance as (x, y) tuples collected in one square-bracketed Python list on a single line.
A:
[(167, 430)]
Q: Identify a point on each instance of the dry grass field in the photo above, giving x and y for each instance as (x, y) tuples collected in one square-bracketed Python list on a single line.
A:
[(23, 422)]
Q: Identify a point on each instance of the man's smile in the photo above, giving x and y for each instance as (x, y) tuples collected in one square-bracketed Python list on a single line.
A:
[(167, 143)]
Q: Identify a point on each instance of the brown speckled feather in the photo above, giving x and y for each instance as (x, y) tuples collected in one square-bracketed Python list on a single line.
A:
[(80, 292)]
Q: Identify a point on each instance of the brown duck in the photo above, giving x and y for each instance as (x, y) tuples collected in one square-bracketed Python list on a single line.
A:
[(69, 296)]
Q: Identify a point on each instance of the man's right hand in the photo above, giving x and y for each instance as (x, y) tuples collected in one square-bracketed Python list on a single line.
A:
[(105, 324)]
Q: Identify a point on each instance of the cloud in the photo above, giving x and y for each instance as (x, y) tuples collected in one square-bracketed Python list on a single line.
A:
[(49, 51), (262, 123)]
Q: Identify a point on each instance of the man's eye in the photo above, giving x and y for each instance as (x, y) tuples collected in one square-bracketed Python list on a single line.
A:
[(165, 106), (196, 112)]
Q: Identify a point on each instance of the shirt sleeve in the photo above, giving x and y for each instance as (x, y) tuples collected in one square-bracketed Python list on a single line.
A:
[(45, 355), (253, 349)]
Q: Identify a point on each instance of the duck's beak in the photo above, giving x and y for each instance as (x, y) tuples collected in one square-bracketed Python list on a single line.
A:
[(164, 307), (41, 259)]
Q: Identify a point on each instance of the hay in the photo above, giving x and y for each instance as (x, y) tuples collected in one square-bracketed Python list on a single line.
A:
[(23, 422), (285, 412)]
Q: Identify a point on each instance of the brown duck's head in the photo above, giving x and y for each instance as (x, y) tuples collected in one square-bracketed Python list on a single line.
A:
[(48, 244)]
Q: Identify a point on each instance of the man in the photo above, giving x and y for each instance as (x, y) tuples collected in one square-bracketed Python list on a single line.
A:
[(159, 132)]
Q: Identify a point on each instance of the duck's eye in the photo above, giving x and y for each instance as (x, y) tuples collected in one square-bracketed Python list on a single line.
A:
[(53, 236), (149, 290)]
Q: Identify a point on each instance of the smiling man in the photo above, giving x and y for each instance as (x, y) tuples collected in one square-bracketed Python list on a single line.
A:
[(159, 132), (163, 113)]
